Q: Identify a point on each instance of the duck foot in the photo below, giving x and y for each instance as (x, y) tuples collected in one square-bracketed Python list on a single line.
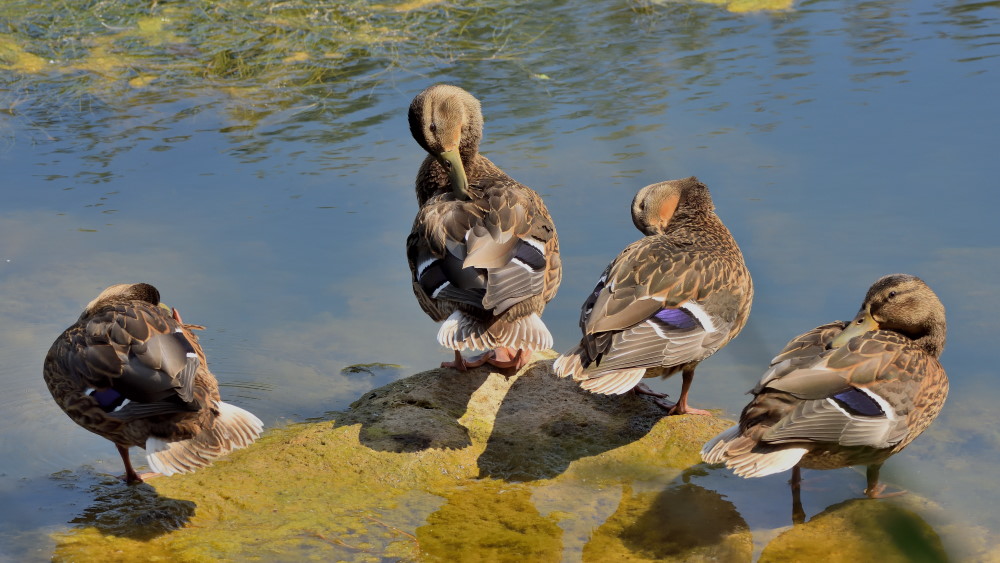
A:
[(678, 408), (131, 477), (462, 364), (878, 491), (505, 358)]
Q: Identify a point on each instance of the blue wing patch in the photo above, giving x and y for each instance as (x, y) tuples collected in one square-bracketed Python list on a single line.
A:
[(857, 402), (677, 318)]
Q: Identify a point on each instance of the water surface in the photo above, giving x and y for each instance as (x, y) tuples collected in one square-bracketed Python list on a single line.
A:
[(260, 174)]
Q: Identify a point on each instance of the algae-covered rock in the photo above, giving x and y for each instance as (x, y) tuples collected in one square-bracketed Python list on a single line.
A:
[(438, 466), (859, 530)]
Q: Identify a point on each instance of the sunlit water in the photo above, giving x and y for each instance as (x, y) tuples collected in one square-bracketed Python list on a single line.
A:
[(841, 141)]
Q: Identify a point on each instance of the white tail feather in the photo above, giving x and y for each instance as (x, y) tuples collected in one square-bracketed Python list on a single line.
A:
[(749, 464), (460, 332), (233, 429), (615, 382)]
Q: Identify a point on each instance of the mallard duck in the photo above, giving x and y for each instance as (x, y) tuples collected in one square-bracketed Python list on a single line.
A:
[(667, 302), (483, 250), (846, 393), (131, 371)]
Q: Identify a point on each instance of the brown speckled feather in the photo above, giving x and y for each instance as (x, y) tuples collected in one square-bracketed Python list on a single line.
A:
[(833, 398), (484, 258), (129, 371), (668, 300)]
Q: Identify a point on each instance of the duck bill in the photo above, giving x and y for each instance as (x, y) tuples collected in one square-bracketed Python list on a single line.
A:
[(861, 324), (452, 161)]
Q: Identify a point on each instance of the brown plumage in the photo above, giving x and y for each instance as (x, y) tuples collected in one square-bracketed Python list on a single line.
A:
[(846, 393), (667, 302), (131, 371), (483, 250)]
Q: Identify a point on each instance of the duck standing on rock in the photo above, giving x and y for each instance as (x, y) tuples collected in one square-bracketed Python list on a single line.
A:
[(483, 250), (667, 302), (846, 394), (131, 371)]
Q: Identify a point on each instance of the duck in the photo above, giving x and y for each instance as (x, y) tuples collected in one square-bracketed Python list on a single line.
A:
[(667, 302), (130, 370), (845, 393), (483, 251)]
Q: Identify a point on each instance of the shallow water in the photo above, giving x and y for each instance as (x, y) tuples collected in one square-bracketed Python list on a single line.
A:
[(269, 200)]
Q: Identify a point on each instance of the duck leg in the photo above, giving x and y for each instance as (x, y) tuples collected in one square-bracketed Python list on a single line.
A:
[(504, 357), (682, 406), (131, 477), (461, 364), (798, 514), (876, 489)]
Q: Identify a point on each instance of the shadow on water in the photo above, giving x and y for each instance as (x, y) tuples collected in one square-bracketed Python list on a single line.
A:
[(545, 423), (416, 413)]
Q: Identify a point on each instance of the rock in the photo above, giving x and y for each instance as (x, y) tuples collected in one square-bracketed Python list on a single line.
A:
[(440, 465)]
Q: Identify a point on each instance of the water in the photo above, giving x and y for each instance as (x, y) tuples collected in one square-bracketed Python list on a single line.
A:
[(270, 203)]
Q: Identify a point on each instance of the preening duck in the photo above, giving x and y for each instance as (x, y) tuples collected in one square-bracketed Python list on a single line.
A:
[(667, 302), (483, 250), (131, 371), (846, 393)]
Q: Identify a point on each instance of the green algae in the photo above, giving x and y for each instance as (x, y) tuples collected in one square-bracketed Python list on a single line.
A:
[(323, 491), (858, 530), (490, 520)]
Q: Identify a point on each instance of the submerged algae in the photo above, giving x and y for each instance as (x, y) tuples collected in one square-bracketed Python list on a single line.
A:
[(324, 490), (859, 530)]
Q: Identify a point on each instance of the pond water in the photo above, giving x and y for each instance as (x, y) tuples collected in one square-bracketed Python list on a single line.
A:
[(260, 173)]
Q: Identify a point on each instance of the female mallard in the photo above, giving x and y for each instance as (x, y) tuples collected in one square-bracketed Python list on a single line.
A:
[(130, 370), (846, 393), (483, 250), (667, 302)]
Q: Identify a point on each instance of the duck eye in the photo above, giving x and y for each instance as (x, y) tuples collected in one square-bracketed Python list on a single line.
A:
[(433, 127), (861, 321), (892, 294)]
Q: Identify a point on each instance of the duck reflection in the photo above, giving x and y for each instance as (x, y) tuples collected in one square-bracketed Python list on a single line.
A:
[(684, 522), (137, 512)]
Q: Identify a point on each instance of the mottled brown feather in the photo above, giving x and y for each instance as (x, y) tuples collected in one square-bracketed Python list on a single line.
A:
[(498, 212), (688, 256), (96, 352), (898, 364)]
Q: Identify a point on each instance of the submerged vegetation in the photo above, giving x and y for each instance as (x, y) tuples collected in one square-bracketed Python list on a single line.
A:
[(245, 47)]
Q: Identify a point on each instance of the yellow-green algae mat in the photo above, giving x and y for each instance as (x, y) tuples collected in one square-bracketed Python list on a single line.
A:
[(440, 465)]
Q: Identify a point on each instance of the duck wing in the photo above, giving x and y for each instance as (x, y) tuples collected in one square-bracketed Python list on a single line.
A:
[(136, 352), (491, 252), (661, 305)]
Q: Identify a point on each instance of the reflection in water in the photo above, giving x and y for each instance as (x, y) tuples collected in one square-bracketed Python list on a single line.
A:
[(133, 511), (685, 522)]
